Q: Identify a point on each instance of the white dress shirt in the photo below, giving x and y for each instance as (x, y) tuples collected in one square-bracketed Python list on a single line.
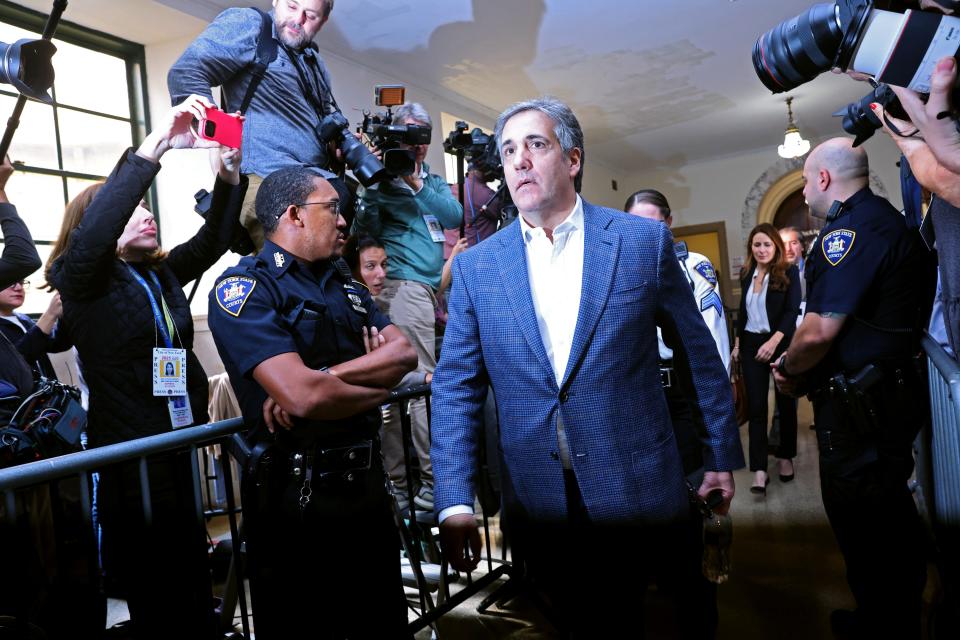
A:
[(757, 321), (556, 280)]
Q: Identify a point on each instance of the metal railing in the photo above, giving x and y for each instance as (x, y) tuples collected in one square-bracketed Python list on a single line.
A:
[(938, 483), (415, 528), (939, 450), (82, 463)]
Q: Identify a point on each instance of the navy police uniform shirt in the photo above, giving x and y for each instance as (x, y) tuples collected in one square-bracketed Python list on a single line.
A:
[(273, 304), (867, 265)]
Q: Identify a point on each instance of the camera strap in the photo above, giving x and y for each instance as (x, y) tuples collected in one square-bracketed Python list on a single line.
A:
[(266, 53), (315, 90)]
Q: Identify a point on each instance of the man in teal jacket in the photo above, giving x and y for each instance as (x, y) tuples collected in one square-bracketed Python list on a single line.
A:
[(408, 215)]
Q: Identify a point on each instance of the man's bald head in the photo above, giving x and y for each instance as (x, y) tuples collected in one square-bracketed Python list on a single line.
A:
[(834, 170), (844, 161)]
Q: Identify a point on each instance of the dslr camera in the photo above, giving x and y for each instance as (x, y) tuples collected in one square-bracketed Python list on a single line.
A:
[(389, 136), (895, 45)]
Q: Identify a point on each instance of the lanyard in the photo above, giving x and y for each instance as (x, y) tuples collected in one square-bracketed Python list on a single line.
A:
[(164, 323)]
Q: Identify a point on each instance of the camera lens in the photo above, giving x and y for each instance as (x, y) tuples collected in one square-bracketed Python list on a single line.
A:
[(399, 162), (209, 128), (798, 50), (365, 166), (859, 120)]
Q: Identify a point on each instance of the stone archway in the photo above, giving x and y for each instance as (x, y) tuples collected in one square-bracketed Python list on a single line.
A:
[(775, 185)]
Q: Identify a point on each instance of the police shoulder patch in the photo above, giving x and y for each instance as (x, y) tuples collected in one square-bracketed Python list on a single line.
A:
[(680, 249), (711, 301), (706, 269), (232, 293), (836, 245)]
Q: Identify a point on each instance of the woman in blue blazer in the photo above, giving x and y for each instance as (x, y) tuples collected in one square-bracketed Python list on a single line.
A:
[(769, 306)]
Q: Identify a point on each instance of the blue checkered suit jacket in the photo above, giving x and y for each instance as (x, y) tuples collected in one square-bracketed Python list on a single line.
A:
[(611, 399)]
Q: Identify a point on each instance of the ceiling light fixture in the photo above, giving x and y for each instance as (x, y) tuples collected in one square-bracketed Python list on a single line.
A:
[(793, 145)]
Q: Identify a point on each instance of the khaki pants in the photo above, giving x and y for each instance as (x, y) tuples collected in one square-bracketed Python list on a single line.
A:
[(248, 211), (410, 306)]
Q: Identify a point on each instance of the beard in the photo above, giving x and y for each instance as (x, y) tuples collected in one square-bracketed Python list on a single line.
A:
[(299, 41)]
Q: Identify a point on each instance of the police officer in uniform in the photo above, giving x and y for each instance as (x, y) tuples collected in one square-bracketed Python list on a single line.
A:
[(311, 359), (694, 595), (855, 354)]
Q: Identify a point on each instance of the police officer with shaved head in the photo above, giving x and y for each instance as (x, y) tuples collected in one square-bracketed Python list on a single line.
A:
[(856, 355)]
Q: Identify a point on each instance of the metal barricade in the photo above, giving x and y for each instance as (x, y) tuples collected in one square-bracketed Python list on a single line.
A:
[(938, 482), (83, 463), (211, 489), (940, 448), (415, 532)]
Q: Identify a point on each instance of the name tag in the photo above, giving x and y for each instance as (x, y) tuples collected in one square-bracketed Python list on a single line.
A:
[(180, 413), (169, 372), (436, 231)]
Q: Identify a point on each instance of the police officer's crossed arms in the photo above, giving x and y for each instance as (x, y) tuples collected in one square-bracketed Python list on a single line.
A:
[(311, 359), (310, 233), (854, 355)]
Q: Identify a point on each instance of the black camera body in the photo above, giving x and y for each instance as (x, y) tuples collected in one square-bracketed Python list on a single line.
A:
[(240, 243), (860, 121), (479, 149), (365, 166), (47, 423), (388, 136)]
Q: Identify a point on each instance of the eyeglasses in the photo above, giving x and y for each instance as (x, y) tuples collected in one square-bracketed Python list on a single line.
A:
[(332, 205), (25, 284)]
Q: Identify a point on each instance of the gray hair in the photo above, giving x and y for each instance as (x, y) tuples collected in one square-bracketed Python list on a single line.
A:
[(414, 111), (566, 126)]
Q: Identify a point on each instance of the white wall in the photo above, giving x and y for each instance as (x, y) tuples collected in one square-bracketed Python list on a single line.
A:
[(716, 190)]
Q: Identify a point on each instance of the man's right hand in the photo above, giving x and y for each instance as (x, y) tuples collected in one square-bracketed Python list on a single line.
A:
[(456, 532)]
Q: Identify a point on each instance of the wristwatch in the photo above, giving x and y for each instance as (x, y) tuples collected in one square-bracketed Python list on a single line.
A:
[(782, 365)]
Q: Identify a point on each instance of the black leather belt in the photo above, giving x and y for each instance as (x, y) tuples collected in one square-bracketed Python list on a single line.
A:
[(334, 464)]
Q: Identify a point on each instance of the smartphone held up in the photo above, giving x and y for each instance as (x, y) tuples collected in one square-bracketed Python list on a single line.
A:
[(225, 128)]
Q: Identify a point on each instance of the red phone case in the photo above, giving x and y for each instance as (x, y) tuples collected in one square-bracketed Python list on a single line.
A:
[(222, 127)]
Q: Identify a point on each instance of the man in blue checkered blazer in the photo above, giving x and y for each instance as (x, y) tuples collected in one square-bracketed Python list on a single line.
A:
[(558, 313)]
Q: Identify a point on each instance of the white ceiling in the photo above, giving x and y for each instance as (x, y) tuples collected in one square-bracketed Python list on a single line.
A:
[(655, 85)]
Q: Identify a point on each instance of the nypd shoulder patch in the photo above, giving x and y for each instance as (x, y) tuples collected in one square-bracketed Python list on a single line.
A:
[(232, 293), (705, 269), (836, 245)]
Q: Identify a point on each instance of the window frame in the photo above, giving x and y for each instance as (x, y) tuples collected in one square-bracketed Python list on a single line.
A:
[(134, 58)]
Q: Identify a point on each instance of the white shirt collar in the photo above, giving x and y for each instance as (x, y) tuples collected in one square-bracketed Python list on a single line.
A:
[(572, 222)]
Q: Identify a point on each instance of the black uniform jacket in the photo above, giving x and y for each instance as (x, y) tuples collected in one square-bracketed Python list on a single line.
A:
[(107, 313)]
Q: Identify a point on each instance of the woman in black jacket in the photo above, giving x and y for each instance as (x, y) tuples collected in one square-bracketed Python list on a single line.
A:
[(125, 310), (18, 260), (769, 306)]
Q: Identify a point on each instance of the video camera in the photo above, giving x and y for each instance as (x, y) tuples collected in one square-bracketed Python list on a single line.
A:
[(47, 423), (479, 149), (387, 136)]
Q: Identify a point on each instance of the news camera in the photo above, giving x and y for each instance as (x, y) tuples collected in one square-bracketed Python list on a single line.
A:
[(390, 137), (479, 149)]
